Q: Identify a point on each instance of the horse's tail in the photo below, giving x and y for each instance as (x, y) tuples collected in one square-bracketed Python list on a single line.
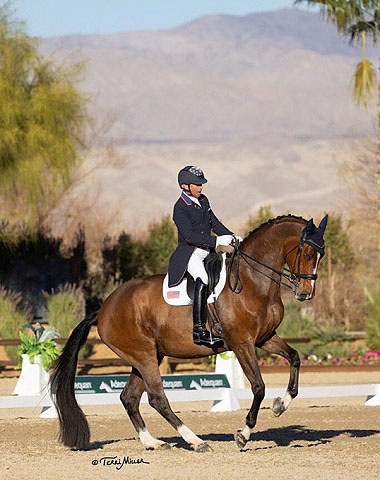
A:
[(74, 430)]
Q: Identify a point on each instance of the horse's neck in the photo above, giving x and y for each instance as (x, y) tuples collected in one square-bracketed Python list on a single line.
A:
[(268, 246)]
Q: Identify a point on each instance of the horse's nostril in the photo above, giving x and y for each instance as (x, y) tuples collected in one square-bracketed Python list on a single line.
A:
[(303, 296)]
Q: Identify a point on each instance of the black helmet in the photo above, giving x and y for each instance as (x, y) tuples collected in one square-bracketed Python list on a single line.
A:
[(189, 175)]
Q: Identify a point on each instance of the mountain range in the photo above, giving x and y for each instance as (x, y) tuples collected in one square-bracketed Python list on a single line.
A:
[(261, 102)]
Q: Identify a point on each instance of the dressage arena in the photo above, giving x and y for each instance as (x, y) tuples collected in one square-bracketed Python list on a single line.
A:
[(315, 439)]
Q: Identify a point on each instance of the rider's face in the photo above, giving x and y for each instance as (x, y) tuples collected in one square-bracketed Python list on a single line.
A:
[(195, 189)]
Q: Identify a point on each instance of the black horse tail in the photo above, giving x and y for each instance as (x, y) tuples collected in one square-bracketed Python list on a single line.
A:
[(74, 429)]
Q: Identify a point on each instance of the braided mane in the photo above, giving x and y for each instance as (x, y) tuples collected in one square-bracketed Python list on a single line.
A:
[(278, 219)]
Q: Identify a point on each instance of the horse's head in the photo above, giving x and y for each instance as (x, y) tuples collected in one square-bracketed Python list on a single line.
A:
[(302, 257)]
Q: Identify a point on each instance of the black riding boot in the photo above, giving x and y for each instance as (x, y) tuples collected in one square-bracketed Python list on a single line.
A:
[(202, 336)]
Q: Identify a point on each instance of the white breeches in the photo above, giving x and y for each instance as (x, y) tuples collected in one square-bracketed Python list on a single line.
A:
[(196, 267)]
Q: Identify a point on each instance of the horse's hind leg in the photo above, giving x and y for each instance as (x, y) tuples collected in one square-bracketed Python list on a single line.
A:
[(130, 398), (157, 400), (278, 346)]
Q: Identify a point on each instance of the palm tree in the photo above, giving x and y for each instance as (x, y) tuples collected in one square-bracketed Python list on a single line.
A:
[(360, 20)]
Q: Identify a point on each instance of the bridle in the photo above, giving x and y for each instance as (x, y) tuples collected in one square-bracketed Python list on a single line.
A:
[(292, 276)]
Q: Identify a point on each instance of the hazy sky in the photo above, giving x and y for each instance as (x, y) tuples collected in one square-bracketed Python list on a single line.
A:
[(61, 17)]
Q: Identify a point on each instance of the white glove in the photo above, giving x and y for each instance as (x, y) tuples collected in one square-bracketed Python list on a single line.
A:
[(224, 240), (238, 237)]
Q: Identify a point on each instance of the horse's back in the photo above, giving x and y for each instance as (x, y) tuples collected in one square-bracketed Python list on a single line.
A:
[(135, 320)]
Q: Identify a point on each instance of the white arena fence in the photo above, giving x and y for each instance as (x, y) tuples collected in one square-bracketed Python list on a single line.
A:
[(225, 388)]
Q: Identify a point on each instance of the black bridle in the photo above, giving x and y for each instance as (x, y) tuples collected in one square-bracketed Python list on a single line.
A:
[(293, 276)]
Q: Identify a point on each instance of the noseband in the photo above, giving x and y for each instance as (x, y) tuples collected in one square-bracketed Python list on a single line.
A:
[(292, 276)]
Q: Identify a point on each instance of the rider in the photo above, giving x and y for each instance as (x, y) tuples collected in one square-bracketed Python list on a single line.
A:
[(194, 220)]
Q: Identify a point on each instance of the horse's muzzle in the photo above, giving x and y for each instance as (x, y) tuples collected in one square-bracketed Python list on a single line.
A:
[(303, 296)]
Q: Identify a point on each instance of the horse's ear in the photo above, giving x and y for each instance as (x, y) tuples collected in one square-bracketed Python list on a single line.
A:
[(310, 227), (323, 223)]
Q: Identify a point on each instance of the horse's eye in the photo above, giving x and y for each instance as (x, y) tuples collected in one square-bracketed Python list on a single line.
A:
[(308, 256)]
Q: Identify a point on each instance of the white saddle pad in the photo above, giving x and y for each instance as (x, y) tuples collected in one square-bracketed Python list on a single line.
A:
[(178, 295)]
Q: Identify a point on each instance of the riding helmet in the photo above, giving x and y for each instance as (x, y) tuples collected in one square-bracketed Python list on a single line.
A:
[(191, 174)]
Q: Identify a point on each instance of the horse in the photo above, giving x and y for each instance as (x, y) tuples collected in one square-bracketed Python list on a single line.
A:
[(141, 328)]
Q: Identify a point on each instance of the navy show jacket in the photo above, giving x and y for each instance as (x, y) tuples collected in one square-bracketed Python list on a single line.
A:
[(194, 224)]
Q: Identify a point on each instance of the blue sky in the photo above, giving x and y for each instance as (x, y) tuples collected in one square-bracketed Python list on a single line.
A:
[(47, 18)]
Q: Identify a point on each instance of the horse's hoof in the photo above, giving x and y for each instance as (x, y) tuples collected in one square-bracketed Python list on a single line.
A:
[(278, 407), (240, 440), (203, 448)]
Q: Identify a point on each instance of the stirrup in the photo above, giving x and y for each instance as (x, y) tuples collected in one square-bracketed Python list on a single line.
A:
[(204, 337)]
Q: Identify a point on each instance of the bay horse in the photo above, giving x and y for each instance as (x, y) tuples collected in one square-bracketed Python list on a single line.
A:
[(141, 328)]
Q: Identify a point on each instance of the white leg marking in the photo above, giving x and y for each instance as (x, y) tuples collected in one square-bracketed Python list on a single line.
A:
[(148, 441), (188, 435), (246, 432), (286, 401)]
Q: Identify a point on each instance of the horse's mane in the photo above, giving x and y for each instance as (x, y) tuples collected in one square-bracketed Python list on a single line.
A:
[(278, 219)]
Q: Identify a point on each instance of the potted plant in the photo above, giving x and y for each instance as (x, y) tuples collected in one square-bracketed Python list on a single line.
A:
[(37, 353)]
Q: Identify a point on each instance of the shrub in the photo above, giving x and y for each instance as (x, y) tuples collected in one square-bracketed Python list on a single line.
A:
[(65, 308), (296, 325), (158, 247), (12, 316), (326, 341), (330, 341)]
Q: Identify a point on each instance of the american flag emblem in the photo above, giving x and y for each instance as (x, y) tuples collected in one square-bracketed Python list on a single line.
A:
[(172, 294)]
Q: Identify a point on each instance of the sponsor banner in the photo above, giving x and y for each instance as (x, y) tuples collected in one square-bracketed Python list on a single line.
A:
[(116, 383)]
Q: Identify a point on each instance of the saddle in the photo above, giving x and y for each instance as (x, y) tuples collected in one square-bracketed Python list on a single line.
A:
[(183, 294)]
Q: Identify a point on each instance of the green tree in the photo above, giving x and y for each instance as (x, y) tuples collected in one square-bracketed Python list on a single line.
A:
[(373, 320), (121, 259), (263, 214), (42, 117), (360, 20), (337, 238), (160, 244)]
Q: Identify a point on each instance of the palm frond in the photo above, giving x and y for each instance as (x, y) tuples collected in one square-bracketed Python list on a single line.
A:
[(371, 29), (346, 13), (364, 84), (341, 13)]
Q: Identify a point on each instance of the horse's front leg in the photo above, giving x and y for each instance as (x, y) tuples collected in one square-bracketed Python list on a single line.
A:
[(278, 346), (246, 355)]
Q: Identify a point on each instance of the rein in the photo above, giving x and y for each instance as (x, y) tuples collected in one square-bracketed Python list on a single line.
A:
[(290, 275)]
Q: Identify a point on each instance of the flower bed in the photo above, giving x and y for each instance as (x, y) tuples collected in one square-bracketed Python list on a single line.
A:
[(371, 357)]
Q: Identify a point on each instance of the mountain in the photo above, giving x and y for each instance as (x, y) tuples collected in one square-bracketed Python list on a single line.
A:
[(261, 102)]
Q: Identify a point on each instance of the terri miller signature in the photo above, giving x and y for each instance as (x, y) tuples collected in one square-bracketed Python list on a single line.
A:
[(118, 462)]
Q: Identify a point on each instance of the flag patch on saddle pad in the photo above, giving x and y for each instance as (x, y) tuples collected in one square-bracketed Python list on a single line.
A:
[(173, 294), (178, 296)]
